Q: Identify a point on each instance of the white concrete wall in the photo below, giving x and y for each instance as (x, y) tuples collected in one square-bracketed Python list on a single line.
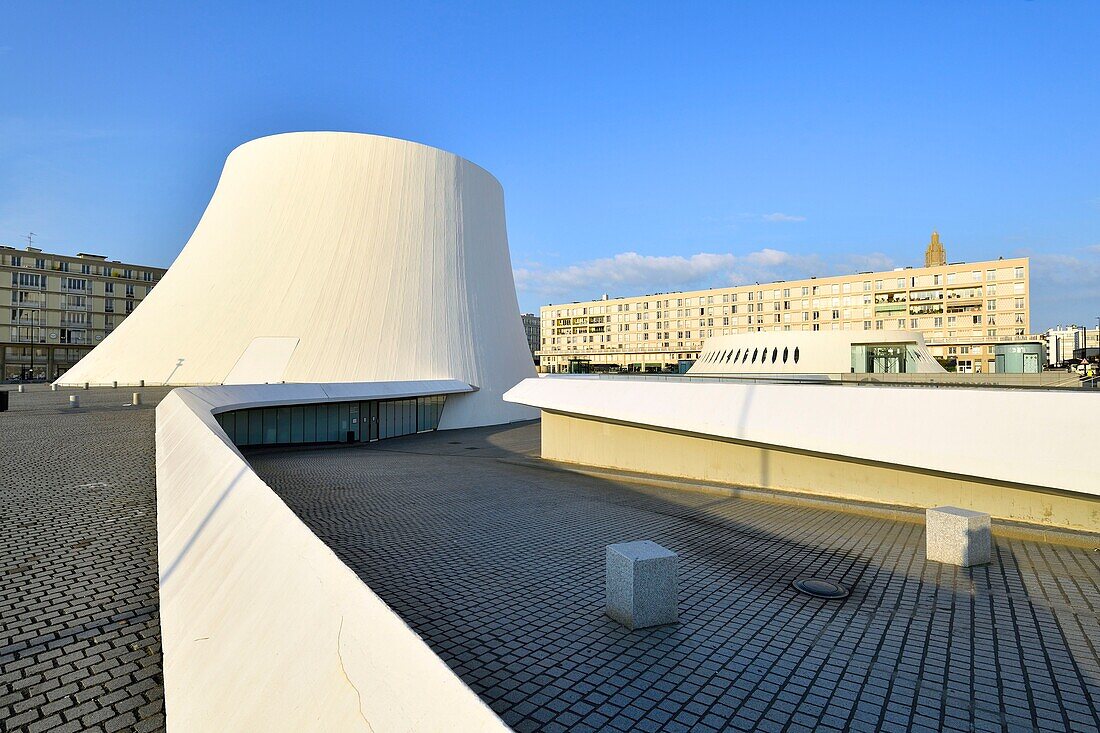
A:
[(263, 628), (1015, 435), (384, 259)]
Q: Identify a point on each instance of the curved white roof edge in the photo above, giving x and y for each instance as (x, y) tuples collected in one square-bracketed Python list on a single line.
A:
[(335, 257), (1022, 437), (242, 396), (374, 135), (249, 595), (803, 352)]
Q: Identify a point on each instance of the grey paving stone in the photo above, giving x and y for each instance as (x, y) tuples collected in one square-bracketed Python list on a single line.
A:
[(78, 563), (522, 582)]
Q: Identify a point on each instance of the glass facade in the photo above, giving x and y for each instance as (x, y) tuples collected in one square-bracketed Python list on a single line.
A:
[(887, 358), (332, 422)]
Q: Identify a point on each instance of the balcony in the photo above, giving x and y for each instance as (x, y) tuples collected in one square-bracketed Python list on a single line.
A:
[(941, 340)]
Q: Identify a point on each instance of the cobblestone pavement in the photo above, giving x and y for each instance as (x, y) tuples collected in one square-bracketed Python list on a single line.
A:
[(498, 564), (80, 642)]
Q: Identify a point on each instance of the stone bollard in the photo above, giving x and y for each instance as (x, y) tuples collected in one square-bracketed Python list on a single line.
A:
[(114, 385), (136, 399), (958, 536), (86, 385), (141, 382), (74, 400), (53, 387), (641, 584), (20, 389)]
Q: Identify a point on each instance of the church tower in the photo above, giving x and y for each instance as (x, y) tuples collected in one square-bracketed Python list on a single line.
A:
[(935, 255)]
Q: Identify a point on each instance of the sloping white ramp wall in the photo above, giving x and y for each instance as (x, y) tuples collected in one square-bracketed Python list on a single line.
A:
[(385, 259), (263, 628), (1021, 437)]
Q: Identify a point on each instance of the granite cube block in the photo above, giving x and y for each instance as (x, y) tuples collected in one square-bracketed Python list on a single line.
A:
[(958, 536), (641, 584)]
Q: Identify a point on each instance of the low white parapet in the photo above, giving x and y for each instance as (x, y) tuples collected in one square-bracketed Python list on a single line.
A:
[(262, 626), (1020, 437)]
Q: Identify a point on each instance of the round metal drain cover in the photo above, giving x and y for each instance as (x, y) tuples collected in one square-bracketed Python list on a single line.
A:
[(820, 588)]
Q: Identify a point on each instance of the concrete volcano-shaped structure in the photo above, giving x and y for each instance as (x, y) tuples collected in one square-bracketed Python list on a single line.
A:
[(335, 257)]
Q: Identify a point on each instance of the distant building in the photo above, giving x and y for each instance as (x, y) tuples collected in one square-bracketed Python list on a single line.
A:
[(62, 306), (531, 328), (935, 255), (963, 311), (1061, 342), (1069, 344)]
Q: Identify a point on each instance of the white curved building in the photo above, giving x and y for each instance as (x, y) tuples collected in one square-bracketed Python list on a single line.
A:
[(816, 352), (335, 257)]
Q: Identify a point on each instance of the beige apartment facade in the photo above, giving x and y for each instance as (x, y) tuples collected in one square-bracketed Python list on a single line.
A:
[(56, 307), (963, 310)]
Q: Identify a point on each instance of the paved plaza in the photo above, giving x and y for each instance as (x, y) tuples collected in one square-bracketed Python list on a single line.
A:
[(80, 639), (498, 563)]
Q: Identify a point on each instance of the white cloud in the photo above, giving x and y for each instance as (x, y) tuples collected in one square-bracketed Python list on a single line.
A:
[(1065, 288), (630, 273), (777, 216)]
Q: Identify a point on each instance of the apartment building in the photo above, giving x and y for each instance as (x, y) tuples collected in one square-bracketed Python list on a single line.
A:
[(963, 310), (57, 307), (533, 333)]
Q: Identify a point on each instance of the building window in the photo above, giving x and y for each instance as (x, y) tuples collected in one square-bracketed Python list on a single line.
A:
[(1019, 273)]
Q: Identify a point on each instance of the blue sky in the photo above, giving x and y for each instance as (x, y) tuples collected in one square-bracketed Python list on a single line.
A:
[(641, 147)]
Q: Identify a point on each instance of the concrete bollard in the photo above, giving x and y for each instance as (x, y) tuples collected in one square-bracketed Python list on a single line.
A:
[(141, 382), (114, 385), (20, 389), (958, 536), (136, 399), (641, 584), (74, 400), (86, 385), (53, 387)]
